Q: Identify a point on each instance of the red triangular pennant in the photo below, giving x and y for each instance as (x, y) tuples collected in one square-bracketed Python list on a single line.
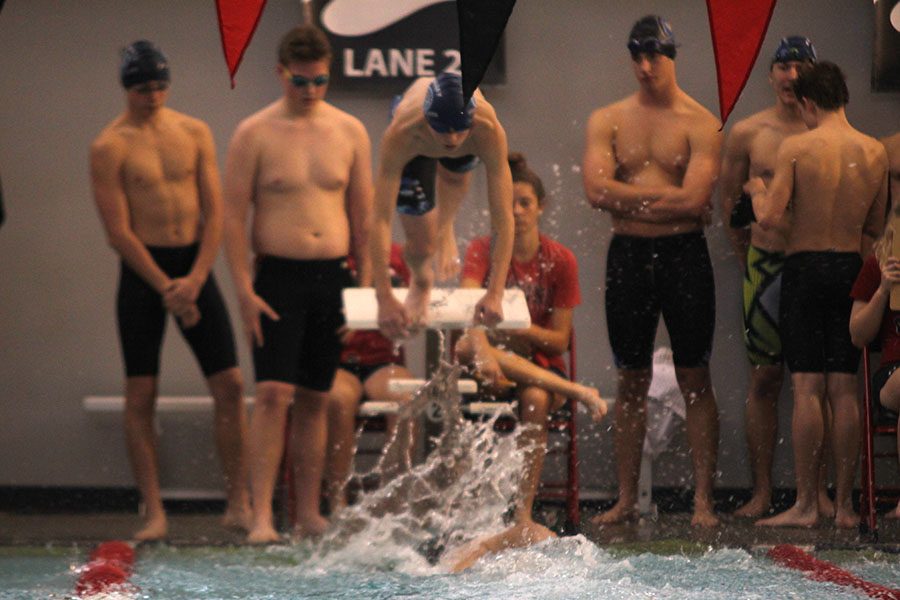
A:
[(738, 30), (237, 22)]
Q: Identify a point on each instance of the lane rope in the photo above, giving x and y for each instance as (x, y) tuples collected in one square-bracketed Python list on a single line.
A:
[(108, 570), (821, 570)]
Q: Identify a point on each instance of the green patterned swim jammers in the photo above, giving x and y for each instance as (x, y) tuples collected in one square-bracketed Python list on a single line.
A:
[(762, 296)]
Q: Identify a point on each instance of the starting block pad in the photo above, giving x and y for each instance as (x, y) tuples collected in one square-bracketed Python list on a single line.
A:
[(411, 386), (449, 308)]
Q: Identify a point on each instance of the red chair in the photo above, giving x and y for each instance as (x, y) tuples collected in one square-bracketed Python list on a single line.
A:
[(876, 422)]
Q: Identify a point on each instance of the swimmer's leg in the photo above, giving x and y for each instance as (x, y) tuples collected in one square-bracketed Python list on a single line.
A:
[(451, 188), (343, 404), (519, 535), (227, 390), (309, 436), (842, 397), (702, 421), (140, 435), (421, 238), (266, 446)]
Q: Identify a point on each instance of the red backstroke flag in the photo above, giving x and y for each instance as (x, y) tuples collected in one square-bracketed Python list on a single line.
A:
[(738, 30), (237, 22)]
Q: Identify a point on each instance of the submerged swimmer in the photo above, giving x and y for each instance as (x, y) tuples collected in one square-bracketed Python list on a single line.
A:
[(434, 140)]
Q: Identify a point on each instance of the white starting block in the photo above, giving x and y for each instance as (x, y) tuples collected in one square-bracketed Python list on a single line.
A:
[(449, 308), (411, 386), (195, 404)]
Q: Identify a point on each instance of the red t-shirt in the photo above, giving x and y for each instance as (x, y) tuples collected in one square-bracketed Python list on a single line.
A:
[(370, 347), (549, 280), (864, 288)]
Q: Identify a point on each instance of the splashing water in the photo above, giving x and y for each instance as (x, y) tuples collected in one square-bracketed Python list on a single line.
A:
[(460, 492)]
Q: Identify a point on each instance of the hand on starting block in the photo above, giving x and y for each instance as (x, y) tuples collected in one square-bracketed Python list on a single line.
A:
[(448, 308)]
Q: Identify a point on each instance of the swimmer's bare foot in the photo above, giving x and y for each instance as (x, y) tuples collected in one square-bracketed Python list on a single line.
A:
[(795, 516), (757, 506), (238, 519), (826, 506), (155, 528), (519, 535), (894, 514), (263, 534), (621, 512), (591, 399), (845, 518), (416, 305), (704, 517), (310, 527)]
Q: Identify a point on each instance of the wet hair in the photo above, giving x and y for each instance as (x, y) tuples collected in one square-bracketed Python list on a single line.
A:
[(521, 173), (824, 84), (651, 35), (305, 43)]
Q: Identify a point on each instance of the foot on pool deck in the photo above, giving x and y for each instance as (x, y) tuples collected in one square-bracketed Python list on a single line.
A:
[(263, 534), (845, 518), (237, 519), (756, 507), (309, 528), (622, 512), (796, 516), (704, 517), (154, 529), (826, 506)]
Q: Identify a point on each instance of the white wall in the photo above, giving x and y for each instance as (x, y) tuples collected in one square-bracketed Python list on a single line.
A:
[(58, 88)]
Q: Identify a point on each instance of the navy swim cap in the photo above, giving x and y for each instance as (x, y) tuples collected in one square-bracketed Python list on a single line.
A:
[(652, 35), (444, 108), (795, 47), (142, 61)]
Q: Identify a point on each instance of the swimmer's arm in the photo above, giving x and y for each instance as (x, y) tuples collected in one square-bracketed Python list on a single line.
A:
[(552, 340), (387, 186), (240, 178), (770, 204), (598, 172), (500, 203), (735, 171), (477, 335), (106, 159), (874, 224), (210, 191), (693, 198), (359, 204)]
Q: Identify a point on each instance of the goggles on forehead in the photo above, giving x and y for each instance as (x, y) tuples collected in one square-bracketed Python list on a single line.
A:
[(300, 81), (150, 87), (650, 46)]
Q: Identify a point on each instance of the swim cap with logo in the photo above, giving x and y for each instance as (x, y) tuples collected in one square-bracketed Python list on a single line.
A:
[(795, 47), (445, 110), (142, 61), (652, 35)]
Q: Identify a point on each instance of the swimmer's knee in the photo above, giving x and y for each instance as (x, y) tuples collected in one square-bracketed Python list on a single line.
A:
[(273, 395), (534, 403), (465, 351)]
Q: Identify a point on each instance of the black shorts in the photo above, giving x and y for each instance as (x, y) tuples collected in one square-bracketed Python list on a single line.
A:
[(142, 318), (815, 312), (416, 195), (302, 347), (646, 276)]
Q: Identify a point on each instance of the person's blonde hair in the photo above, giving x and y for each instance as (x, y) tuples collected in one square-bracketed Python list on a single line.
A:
[(884, 246)]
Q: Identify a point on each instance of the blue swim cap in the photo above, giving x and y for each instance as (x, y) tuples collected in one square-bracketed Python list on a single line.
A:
[(795, 47), (444, 107), (652, 35), (142, 61)]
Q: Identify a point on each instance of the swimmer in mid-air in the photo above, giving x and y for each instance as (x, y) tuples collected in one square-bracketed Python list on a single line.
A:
[(434, 140)]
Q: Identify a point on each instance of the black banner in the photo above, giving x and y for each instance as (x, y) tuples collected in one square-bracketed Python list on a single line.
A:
[(386, 44), (886, 52)]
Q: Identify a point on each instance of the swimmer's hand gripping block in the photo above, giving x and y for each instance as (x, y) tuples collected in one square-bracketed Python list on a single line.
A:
[(449, 308)]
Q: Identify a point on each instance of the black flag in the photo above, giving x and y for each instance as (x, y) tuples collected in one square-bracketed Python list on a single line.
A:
[(481, 23)]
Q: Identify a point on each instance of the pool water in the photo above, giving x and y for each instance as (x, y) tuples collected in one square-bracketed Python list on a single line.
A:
[(565, 568)]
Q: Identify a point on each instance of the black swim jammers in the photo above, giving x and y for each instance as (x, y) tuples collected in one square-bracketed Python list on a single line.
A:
[(142, 318), (302, 348), (815, 312), (646, 276)]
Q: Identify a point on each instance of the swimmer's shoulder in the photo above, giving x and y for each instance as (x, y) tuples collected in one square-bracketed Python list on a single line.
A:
[(610, 117), (194, 127), (112, 141), (699, 115), (348, 124)]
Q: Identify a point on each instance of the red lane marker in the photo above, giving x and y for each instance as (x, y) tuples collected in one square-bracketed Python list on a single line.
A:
[(108, 569), (820, 570)]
